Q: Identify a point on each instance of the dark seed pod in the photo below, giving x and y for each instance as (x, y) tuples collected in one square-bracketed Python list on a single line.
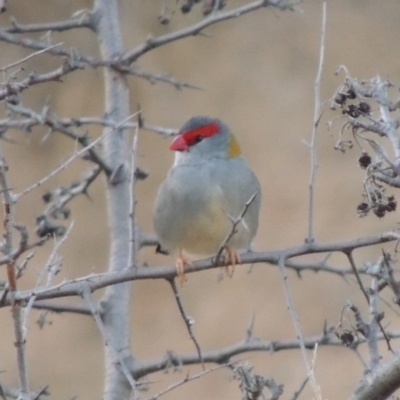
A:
[(362, 207), (353, 111), (47, 197), (380, 211), (187, 6), (340, 99), (365, 160), (347, 338), (392, 204), (351, 94), (163, 19), (364, 107)]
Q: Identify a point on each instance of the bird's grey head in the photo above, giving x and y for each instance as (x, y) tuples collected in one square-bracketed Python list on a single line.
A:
[(204, 138)]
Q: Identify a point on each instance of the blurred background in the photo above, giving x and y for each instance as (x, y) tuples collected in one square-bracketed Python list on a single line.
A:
[(257, 74)]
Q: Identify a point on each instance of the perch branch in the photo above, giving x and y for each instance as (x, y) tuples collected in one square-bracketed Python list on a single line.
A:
[(73, 287)]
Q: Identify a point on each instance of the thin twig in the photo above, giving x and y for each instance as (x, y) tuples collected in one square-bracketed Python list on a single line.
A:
[(10, 88), (58, 202), (356, 274), (72, 158), (313, 382), (373, 325), (52, 266), (188, 321), (133, 239), (317, 117), (235, 223), (188, 379), (350, 257), (297, 393), (293, 313), (393, 283), (36, 53), (154, 78), (61, 308), (57, 125)]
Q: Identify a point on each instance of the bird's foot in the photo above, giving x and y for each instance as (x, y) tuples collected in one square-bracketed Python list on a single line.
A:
[(231, 258), (180, 267)]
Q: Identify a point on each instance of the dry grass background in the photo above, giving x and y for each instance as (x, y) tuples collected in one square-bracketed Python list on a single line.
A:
[(257, 73)]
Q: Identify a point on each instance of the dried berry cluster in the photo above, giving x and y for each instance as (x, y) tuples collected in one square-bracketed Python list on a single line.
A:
[(351, 100), (375, 198), (46, 223), (187, 6), (208, 5), (378, 202), (353, 110)]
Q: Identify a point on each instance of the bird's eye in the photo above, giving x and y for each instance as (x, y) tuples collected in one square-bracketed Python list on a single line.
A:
[(198, 139)]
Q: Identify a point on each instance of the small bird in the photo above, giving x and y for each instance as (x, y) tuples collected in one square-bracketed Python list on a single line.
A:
[(209, 195)]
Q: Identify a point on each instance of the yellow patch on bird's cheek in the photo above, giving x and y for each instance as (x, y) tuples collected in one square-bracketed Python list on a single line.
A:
[(234, 148)]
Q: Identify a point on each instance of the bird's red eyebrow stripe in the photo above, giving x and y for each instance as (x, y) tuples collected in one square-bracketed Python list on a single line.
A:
[(203, 131)]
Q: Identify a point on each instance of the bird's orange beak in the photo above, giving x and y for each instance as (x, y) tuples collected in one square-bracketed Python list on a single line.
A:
[(179, 144)]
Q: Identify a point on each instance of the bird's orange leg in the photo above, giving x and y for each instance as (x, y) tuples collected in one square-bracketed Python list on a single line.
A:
[(180, 267), (232, 258)]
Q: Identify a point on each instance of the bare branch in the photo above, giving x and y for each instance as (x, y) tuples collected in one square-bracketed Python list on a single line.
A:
[(9, 202), (36, 119), (58, 199), (195, 29), (98, 281), (381, 383), (224, 355), (42, 45), (34, 78), (84, 21)]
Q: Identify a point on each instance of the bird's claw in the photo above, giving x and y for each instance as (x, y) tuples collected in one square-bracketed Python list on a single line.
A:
[(180, 267), (231, 258)]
